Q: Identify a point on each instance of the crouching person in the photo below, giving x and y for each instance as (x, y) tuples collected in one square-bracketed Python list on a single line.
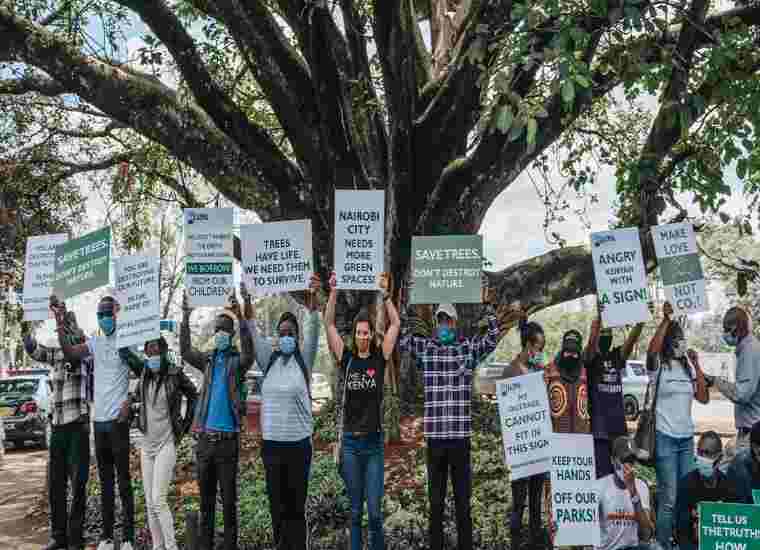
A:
[(624, 516), (160, 391), (218, 416)]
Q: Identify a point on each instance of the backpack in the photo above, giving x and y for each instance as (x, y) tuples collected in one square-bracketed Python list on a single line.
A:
[(299, 359)]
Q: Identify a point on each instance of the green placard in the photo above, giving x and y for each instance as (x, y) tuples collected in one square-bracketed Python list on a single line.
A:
[(222, 268), (680, 269), (728, 526), (447, 269), (756, 496), (83, 264)]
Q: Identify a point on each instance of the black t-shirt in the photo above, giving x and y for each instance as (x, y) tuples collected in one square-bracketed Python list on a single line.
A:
[(691, 491), (606, 391), (364, 392)]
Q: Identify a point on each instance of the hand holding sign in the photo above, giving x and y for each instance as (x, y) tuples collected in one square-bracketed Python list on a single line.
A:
[(667, 312), (234, 306), (312, 295)]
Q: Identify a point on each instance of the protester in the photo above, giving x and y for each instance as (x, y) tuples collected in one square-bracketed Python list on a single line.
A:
[(624, 518), (160, 391), (530, 359), (706, 483), (567, 385), (744, 472), (217, 421), (679, 379), (287, 423), (448, 363), (69, 448), (111, 415), (606, 365), (745, 392), (363, 442)]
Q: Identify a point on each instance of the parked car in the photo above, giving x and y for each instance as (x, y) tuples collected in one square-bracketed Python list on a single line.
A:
[(635, 381), (24, 407)]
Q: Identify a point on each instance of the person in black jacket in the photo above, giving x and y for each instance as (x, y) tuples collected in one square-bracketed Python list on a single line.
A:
[(160, 392), (704, 484), (744, 471)]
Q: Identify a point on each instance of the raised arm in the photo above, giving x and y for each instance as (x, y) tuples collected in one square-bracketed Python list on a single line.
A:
[(394, 327), (75, 352), (193, 357), (483, 345), (700, 384), (334, 341), (35, 350), (592, 347), (655, 344), (246, 339), (631, 341)]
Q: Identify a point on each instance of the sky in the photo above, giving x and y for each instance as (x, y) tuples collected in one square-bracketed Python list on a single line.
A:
[(512, 228)]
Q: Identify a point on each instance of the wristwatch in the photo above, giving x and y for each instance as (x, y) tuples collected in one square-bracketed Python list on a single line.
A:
[(636, 499)]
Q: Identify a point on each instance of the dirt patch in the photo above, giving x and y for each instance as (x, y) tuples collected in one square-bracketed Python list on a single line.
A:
[(22, 480)]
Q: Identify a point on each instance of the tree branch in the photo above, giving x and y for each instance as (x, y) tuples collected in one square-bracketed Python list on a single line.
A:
[(31, 83), (153, 110)]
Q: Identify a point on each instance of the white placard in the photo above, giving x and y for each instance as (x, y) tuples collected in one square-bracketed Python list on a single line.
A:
[(359, 238), (277, 256), (38, 275), (678, 257), (575, 502), (526, 428), (621, 281), (137, 292), (208, 255)]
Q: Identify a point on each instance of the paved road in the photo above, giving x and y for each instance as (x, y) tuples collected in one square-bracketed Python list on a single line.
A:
[(21, 481)]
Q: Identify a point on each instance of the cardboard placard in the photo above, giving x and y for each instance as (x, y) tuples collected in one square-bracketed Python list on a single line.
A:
[(208, 255), (359, 238), (680, 268), (725, 526), (83, 264), (447, 269), (39, 273), (137, 279)]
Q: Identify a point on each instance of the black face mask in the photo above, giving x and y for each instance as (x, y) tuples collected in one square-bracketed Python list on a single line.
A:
[(569, 367), (605, 343)]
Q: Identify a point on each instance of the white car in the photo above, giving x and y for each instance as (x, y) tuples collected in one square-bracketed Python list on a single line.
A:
[(635, 381)]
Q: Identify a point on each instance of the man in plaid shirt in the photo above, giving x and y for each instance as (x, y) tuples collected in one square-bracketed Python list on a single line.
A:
[(448, 364), (69, 451)]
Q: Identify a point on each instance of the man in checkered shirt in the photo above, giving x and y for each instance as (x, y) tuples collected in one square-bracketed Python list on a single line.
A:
[(69, 450), (448, 363)]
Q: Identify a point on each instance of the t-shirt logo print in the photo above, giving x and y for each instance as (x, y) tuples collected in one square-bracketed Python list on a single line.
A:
[(371, 373), (359, 381)]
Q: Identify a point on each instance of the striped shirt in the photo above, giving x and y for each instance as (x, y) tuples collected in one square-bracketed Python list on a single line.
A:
[(71, 385), (285, 403), (447, 374)]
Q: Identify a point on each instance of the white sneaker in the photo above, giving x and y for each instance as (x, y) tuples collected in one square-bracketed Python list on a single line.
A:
[(105, 545), (126, 546)]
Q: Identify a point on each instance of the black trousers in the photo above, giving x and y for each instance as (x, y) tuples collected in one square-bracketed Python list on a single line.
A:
[(287, 477), (523, 489), (442, 460), (112, 454), (218, 465), (68, 463)]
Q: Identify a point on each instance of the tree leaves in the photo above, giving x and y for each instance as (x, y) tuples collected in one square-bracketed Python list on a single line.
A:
[(568, 91)]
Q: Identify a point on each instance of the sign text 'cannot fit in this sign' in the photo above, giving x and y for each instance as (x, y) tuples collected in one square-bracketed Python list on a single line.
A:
[(83, 264), (725, 526), (38, 275), (277, 256), (575, 502), (447, 269), (678, 258), (526, 428), (621, 280), (359, 238), (137, 292), (208, 255)]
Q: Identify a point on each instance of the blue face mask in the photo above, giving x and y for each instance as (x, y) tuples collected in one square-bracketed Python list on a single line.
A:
[(287, 345), (154, 363), (729, 338), (222, 340), (705, 466), (446, 335), (107, 325)]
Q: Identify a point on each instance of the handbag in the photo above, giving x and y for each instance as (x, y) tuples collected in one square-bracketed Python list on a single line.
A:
[(646, 431), (338, 449)]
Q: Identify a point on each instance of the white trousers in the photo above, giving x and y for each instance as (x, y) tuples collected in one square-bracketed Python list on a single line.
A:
[(158, 472)]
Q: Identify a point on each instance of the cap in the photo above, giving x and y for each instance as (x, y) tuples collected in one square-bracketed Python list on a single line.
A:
[(623, 449), (448, 309)]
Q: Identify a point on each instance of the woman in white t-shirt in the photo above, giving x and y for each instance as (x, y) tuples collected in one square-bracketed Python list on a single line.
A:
[(680, 380)]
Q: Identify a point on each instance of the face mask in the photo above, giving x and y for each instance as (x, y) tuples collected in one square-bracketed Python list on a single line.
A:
[(679, 348), (154, 363), (536, 359), (729, 338), (605, 343), (705, 466), (287, 345), (222, 340), (445, 335), (107, 325)]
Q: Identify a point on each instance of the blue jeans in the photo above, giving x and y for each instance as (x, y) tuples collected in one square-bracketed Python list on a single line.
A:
[(363, 472), (674, 459)]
